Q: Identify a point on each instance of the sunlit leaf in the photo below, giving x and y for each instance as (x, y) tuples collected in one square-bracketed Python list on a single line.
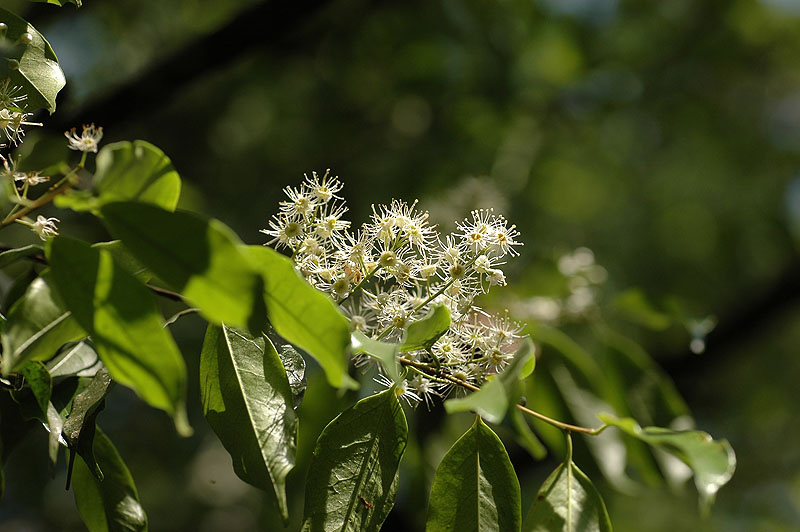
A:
[(79, 426), (124, 322), (351, 484), (79, 360), (499, 393), (568, 502), (422, 334), (712, 461), (475, 487), (385, 352), (304, 316), (248, 402), (32, 66), (110, 505), (200, 258), (124, 258), (128, 171), (38, 325)]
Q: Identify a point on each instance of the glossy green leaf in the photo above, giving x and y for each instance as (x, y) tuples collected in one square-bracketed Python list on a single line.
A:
[(248, 402), (110, 505), (198, 257), (304, 316), (79, 426), (499, 393), (295, 368), (55, 424), (712, 461), (568, 502), (475, 487), (128, 171), (385, 352), (38, 325), (351, 484), (12, 255), (123, 320), (78, 360), (422, 334), (34, 66)]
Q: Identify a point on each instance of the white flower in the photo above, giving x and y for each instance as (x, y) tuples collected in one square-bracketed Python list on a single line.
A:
[(88, 141), (326, 189), (31, 178), (45, 227)]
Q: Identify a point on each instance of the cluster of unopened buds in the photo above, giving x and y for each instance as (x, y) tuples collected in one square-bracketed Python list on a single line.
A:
[(395, 269)]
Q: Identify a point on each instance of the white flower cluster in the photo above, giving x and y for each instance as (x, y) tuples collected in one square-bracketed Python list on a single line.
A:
[(395, 268), (12, 113)]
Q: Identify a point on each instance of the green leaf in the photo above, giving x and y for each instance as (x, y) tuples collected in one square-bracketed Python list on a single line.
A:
[(633, 304), (475, 487), (55, 424), (79, 360), (12, 255), (124, 258), (123, 320), (41, 384), (110, 505), (34, 67), (295, 368), (304, 316), (712, 461), (568, 502), (351, 484), (38, 325), (422, 334), (248, 402), (128, 171), (525, 436), (499, 393), (79, 427), (200, 258), (60, 3), (385, 352)]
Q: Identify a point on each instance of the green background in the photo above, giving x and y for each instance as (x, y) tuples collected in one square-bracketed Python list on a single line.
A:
[(664, 136)]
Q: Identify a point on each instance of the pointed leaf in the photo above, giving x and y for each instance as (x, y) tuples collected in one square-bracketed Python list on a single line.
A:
[(248, 402), (303, 315), (79, 427), (34, 66), (198, 257), (475, 488), (499, 393), (38, 325), (712, 461), (568, 502), (422, 334), (385, 352), (123, 320), (13, 255), (110, 505), (351, 484), (128, 171)]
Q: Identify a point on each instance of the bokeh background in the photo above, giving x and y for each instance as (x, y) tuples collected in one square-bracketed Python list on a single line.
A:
[(662, 136)]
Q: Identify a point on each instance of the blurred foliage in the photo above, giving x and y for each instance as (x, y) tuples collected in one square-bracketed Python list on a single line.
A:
[(664, 136)]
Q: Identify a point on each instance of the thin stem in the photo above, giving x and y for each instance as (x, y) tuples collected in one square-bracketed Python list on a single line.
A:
[(429, 371), (55, 190)]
